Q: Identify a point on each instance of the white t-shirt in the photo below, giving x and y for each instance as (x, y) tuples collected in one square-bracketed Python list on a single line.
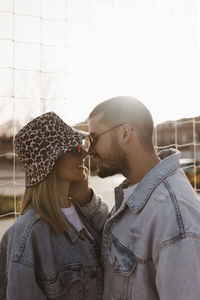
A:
[(72, 216)]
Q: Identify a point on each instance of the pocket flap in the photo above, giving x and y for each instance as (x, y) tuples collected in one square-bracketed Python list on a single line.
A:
[(61, 282), (120, 258)]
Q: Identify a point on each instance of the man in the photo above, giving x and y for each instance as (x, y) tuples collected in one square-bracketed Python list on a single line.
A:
[(151, 241)]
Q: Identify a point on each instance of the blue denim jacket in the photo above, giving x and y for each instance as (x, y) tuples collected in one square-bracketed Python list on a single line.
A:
[(151, 243), (36, 264)]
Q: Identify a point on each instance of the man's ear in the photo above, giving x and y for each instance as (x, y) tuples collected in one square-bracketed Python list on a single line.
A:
[(125, 133)]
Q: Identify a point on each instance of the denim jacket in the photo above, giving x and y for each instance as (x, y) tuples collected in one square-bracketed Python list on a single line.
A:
[(151, 242), (36, 264)]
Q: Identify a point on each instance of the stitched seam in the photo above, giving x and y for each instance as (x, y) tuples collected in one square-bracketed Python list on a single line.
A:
[(67, 267), (16, 258), (151, 192), (175, 239), (148, 259), (162, 179), (24, 262), (178, 237), (143, 261), (130, 252), (176, 206)]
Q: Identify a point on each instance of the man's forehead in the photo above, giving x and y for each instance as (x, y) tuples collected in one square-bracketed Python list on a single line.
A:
[(95, 123)]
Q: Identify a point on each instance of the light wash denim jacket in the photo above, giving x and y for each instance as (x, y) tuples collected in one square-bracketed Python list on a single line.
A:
[(36, 264), (151, 243)]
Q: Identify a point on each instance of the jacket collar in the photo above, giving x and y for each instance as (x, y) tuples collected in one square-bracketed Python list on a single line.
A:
[(71, 230), (169, 163)]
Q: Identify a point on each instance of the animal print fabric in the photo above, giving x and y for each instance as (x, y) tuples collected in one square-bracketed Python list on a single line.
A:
[(41, 142)]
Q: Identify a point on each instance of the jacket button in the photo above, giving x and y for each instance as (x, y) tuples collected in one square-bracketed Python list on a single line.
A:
[(93, 274)]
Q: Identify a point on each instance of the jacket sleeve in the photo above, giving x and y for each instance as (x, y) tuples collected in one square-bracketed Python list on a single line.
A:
[(17, 281), (178, 270), (96, 211), (3, 279), (22, 284)]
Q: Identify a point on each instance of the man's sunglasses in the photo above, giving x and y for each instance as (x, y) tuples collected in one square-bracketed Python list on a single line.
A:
[(91, 139)]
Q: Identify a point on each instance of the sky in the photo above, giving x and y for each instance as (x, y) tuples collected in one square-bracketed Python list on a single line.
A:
[(75, 54), (160, 66)]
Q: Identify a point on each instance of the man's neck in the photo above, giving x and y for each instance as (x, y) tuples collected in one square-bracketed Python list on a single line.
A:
[(140, 167)]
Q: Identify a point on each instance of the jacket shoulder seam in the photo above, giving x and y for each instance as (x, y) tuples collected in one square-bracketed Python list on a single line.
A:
[(21, 247), (176, 239), (23, 262), (179, 237), (176, 207)]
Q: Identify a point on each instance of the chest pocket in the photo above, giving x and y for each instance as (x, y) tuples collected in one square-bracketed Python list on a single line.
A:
[(121, 259), (65, 283)]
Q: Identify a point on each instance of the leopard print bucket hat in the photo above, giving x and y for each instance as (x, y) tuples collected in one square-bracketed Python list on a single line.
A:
[(41, 142)]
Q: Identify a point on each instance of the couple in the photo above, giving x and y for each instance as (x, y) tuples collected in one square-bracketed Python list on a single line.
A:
[(150, 245)]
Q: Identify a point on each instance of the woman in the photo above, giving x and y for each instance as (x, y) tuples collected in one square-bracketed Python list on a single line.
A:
[(51, 251)]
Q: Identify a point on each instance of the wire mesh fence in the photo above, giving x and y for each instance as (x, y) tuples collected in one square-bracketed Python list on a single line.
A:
[(183, 135), (50, 54)]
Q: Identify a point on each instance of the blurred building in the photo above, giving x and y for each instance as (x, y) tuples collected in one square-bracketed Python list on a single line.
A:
[(183, 134)]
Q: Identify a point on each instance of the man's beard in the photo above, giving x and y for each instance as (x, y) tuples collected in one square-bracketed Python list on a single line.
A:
[(117, 161)]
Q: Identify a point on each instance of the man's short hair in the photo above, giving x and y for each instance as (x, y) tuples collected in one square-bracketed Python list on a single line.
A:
[(123, 110)]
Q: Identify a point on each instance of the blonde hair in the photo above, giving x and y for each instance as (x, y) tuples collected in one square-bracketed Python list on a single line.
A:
[(44, 199)]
